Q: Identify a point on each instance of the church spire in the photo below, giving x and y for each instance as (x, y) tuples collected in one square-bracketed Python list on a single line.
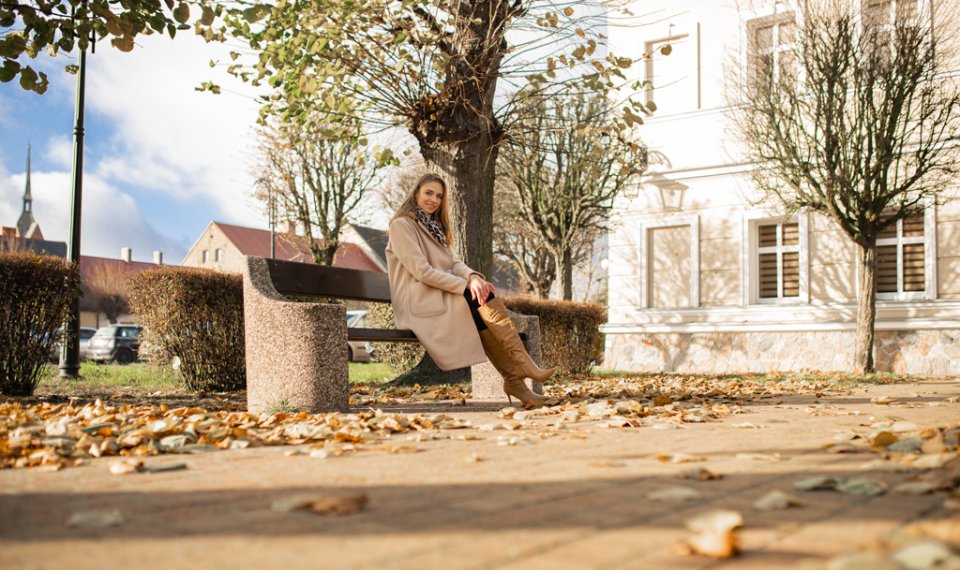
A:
[(27, 227), (27, 197)]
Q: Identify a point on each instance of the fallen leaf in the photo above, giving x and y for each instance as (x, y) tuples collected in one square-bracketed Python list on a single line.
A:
[(862, 486), (818, 483), (699, 474), (776, 501), (674, 494), (127, 467), (760, 457), (328, 505), (714, 533), (95, 519), (679, 458), (922, 555), (883, 439)]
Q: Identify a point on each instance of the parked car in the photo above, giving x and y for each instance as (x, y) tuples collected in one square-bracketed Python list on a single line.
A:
[(360, 351), (115, 343), (86, 333)]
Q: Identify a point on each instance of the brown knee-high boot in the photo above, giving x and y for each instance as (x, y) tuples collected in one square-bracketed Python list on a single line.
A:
[(495, 316), (507, 366)]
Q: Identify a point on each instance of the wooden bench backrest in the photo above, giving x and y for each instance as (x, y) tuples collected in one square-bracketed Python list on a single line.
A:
[(307, 279)]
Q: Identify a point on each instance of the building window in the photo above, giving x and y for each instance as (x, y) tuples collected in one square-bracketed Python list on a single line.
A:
[(775, 258), (772, 47), (778, 260), (901, 257), (879, 18), (218, 255), (205, 255)]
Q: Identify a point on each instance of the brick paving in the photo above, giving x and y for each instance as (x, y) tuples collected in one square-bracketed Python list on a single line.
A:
[(572, 501)]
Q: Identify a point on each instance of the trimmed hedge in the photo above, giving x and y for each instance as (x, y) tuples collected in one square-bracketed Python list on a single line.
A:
[(197, 315), (569, 331), (400, 356), (36, 293)]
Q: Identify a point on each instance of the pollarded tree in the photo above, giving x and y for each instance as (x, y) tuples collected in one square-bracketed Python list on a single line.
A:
[(32, 27), (316, 180), (858, 123), (566, 172), (433, 68)]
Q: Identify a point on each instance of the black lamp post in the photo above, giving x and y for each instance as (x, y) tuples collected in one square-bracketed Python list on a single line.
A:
[(70, 347)]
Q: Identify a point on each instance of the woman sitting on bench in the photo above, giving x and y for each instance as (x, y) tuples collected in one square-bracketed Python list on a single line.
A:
[(450, 307)]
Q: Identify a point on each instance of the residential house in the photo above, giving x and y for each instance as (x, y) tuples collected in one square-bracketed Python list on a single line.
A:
[(224, 247), (701, 279)]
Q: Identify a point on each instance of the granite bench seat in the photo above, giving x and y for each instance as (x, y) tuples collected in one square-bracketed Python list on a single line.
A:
[(296, 349)]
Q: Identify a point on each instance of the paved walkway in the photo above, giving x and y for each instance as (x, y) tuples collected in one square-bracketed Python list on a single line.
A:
[(577, 500)]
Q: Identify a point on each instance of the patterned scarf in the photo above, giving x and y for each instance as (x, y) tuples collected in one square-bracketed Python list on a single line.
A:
[(433, 226)]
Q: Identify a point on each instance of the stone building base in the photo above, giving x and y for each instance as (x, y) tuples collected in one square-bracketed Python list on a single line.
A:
[(920, 352)]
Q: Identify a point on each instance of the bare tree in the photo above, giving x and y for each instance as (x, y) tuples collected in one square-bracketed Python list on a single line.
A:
[(314, 181), (517, 241), (857, 123), (109, 291), (566, 172)]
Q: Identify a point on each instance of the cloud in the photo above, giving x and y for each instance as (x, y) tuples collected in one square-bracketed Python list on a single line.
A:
[(170, 138), (111, 218)]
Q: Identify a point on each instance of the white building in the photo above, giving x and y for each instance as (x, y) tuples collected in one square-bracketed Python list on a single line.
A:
[(701, 280)]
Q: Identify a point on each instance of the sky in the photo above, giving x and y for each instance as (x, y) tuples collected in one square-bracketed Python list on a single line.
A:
[(161, 160)]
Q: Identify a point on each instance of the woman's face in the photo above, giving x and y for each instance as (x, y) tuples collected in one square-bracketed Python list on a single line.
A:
[(430, 196)]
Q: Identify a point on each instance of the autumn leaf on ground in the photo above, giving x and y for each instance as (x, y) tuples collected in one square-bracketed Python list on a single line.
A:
[(674, 494), (699, 474), (327, 505), (776, 501), (714, 533), (95, 519), (679, 458)]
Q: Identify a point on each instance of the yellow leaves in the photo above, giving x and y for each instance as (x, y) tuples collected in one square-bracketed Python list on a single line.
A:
[(883, 439), (568, 11)]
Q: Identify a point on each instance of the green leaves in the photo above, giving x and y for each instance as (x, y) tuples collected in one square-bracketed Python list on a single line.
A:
[(181, 13), (63, 27), (8, 71)]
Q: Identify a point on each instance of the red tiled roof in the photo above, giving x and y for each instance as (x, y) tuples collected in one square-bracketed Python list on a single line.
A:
[(252, 241), (89, 264)]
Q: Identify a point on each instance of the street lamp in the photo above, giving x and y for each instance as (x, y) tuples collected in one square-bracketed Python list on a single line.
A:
[(70, 346)]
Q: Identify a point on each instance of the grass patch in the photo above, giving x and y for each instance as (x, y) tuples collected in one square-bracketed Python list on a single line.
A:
[(138, 376), (370, 372)]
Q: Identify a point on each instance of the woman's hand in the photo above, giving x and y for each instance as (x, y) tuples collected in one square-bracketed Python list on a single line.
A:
[(480, 288)]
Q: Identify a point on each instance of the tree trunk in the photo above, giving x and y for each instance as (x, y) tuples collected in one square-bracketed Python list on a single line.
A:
[(866, 307), (565, 274), (469, 169)]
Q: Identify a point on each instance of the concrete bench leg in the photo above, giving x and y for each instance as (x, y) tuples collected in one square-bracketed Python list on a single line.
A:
[(487, 383), (296, 353)]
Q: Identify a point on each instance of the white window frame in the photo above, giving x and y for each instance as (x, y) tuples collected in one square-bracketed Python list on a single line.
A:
[(750, 254), (775, 17), (929, 241), (204, 256), (218, 255), (644, 276)]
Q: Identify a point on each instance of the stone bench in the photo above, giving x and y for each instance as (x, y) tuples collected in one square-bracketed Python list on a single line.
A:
[(296, 350)]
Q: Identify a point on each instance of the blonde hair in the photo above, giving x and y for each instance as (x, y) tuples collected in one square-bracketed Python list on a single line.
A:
[(442, 214)]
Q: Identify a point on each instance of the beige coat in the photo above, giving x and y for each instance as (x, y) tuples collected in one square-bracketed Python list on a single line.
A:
[(426, 287)]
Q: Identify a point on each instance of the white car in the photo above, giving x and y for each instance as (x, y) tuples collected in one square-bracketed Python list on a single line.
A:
[(360, 351)]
